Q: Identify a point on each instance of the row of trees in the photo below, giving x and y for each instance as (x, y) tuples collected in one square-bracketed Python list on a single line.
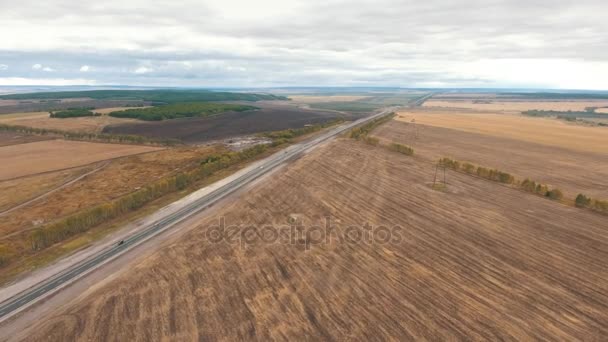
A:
[(82, 221), (73, 113), (364, 130), (502, 177), (401, 149), (285, 136), (582, 201), (179, 110), (101, 137)]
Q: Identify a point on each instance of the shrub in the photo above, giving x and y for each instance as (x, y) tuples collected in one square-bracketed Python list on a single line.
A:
[(554, 194), (401, 149), (582, 201)]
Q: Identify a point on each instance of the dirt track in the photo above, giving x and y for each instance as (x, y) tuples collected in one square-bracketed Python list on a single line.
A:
[(572, 171), (480, 261)]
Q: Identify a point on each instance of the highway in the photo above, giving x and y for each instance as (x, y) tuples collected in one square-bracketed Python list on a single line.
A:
[(24, 299)]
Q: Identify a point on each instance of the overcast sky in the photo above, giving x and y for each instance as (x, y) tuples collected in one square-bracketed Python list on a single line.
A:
[(246, 43)]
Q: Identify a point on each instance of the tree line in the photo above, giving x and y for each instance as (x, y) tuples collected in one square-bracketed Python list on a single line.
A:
[(179, 110), (582, 201), (286, 135), (100, 137), (73, 113), (502, 177), (361, 133), (84, 220)]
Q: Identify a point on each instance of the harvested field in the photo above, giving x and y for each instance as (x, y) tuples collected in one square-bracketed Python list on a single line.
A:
[(329, 98), (91, 124), (51, 155), (19, 190), (571, 171), (477, 262), (602, 110), (13, 138), (516, 105), (537, 130), (225, 125), (112, 179)]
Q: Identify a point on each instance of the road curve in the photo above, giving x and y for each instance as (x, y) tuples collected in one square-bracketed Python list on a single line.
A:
[(24, 299)]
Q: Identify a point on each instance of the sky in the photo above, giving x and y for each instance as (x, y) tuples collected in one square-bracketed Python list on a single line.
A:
[(558, 44)]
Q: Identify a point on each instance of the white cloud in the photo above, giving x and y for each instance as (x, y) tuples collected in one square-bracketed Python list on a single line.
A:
[(143, 70), (85, 68), (37, 66), (48, 69), (3, 66), (22, 81)]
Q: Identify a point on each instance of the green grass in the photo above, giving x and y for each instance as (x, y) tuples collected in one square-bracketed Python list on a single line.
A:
[(179, 110), (73, 113)]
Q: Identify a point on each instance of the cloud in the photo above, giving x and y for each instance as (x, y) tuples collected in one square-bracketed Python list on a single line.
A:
[(48, 69), (37, 66), (299, 42), (85, 68), (23, 81), (3, 66), (143, 70)]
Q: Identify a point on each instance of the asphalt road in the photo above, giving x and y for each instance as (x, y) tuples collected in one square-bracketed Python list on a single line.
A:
[(28, 297)]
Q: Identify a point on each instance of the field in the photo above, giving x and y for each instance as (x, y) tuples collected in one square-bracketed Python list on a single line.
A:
[(104, 181), (271, 117), (571, 171), (536, 130), (518, 105), (12, 138), (477, 261), (328, 98), (42, 120), (602, 110), (23, 106), (51, 155)]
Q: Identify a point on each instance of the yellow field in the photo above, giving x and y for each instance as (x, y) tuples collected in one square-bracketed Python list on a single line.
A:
[(516, 106), (331, 98), (602, 110), (537, 130), (91, 124)]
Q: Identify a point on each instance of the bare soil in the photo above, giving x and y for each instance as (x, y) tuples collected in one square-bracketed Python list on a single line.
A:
[(271, 117), (477, 261)]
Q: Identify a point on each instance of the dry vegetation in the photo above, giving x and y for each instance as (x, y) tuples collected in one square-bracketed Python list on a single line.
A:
[(494, 105), (602, 110), (477, 261), (92, 124), (110, 181), (43, 156), (570, 170), (14, 138), (536, 130)]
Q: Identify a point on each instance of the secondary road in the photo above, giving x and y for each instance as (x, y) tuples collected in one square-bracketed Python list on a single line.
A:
[(35, 293)]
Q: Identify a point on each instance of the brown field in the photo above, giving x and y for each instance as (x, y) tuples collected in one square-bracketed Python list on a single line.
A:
[(602, 110), (93, 124), (271, 117), (537, 130), (24, 106), (51, 155), (571, 171), (516, 105), (111, 179), (477, 261), (19, 190), (13, 138), (329, 98)]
